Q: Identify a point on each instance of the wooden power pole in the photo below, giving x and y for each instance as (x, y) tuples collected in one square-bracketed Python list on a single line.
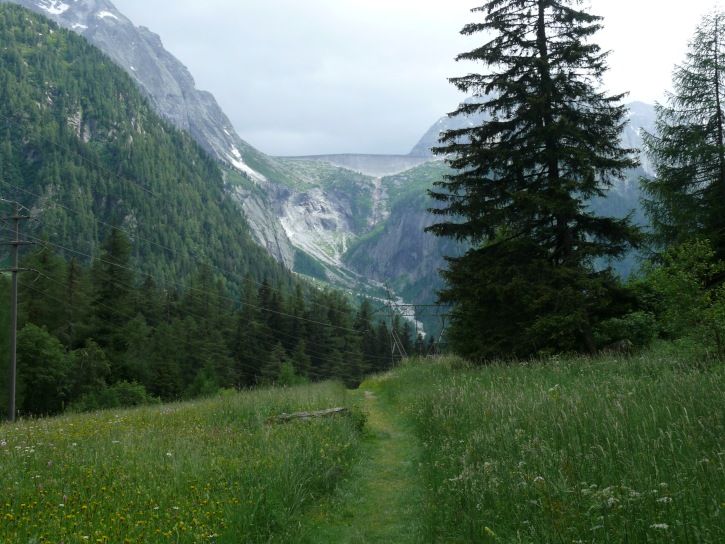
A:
[(16, 243)]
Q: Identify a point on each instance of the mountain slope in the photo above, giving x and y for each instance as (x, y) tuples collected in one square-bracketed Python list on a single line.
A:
[(398, 251), (171, 89), (81, 148)]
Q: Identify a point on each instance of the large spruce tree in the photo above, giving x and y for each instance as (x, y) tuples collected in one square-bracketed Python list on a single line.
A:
[(521, 182), (686, 197)]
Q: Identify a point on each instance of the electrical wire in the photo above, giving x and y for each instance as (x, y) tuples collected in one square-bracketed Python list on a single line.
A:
[(216, 295)]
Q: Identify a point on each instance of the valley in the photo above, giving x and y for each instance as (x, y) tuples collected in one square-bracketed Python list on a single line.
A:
[(349, 214)]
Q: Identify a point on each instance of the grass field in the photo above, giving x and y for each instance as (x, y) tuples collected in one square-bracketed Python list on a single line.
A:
[(570, 450), (562, 450), (208, 471)]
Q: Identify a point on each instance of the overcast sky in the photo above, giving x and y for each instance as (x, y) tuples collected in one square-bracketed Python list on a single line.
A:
[(300, 77)]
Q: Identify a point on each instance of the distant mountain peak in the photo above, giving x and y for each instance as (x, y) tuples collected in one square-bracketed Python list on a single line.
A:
[(641, 116)]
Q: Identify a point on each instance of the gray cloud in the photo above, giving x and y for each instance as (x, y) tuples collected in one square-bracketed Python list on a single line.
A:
[(370, 76)]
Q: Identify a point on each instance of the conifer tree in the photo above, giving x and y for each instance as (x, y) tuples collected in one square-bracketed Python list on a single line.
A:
[(247, 346), (114, 283), (42, 300), (521, 182), (686, 197), (43, 381), (76, 302), (364, 325)]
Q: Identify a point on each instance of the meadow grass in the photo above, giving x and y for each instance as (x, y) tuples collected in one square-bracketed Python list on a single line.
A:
[(569, 450), (207, 471)]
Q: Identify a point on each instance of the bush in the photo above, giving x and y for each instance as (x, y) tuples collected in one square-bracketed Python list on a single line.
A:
[(639, 327), (689, 300), (119, 395)]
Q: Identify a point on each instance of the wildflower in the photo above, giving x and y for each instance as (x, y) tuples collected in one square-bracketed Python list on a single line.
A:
[(539, 480), (662, 526), (665, 500), (168, 454), (554, 392)]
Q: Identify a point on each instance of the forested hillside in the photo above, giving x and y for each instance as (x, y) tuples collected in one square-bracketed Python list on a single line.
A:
[(80, 148), (143, 279)]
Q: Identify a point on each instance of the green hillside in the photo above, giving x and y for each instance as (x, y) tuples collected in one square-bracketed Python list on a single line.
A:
[(81, 148)]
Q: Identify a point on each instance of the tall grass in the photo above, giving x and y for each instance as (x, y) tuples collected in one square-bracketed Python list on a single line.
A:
[(570, 450), (207, 471)]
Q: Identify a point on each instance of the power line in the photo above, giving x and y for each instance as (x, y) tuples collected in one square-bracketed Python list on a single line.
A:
[(213, 294), (259, 308), (160, 246)]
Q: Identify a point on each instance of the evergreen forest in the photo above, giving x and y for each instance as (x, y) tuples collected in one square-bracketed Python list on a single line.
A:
[(141, 280)]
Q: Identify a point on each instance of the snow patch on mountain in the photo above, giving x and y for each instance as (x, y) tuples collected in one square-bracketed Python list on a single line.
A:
[(237, 162), (106, 15), (54, 7)]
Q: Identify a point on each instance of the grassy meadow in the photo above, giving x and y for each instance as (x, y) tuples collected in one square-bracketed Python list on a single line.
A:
[(570, 450), (206, 471), (559, 450)]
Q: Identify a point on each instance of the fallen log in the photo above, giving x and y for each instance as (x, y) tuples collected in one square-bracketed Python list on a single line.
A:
[(304, 416)]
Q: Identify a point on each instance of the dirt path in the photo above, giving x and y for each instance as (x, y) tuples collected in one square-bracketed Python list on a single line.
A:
[(381, 500)]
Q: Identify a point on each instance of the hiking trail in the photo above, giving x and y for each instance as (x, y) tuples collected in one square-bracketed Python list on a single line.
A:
[(381, 499)]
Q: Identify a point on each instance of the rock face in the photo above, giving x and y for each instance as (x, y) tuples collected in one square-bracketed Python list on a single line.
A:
[(404, 256), (641, 118)]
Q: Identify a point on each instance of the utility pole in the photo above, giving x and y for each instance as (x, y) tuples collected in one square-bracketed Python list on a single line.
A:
[(395, 341), (16, 218)]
